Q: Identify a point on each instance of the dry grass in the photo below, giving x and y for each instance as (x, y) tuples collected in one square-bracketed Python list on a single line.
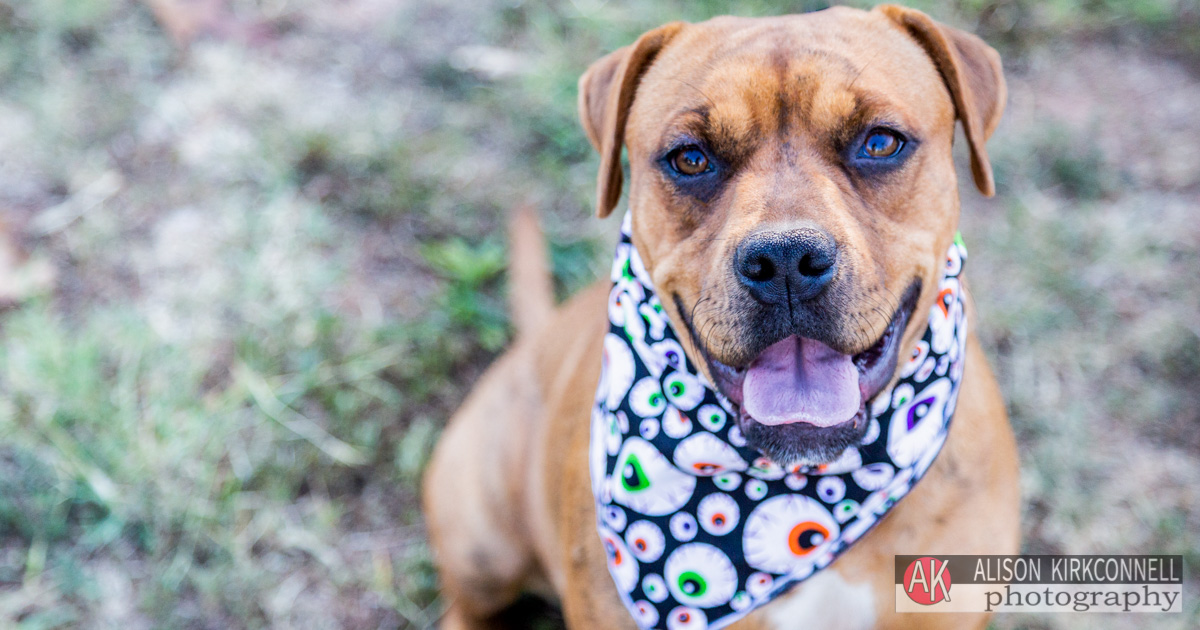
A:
[(247, 278)]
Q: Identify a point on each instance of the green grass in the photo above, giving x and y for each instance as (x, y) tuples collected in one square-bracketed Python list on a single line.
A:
[(278, 266)]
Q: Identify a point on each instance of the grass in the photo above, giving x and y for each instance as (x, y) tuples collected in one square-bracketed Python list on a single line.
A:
[(262, 270)]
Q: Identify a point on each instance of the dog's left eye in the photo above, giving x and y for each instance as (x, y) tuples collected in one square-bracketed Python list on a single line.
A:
[(689, 160), (881, 143)]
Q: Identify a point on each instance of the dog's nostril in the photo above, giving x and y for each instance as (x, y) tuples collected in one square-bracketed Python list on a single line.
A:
[(759, 268), (811, 265)]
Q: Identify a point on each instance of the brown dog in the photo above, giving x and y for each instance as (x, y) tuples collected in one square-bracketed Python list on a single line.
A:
[(822, 143)]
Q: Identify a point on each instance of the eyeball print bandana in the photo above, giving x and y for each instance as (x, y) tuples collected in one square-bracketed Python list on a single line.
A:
[(699, 527)]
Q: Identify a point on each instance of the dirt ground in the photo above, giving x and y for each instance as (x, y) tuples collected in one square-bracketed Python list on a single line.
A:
[(251, 258)]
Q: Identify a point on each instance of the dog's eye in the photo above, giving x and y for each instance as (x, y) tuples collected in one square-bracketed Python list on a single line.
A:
[(881, 143), (689, 160)]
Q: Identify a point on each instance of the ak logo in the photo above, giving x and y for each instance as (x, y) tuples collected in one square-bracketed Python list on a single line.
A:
[(927, 581)]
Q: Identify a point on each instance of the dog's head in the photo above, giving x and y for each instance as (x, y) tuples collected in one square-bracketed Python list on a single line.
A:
[(793, 198)]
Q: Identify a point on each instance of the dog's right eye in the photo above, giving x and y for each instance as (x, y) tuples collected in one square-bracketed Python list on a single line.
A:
[(881, 144), (689, 160)]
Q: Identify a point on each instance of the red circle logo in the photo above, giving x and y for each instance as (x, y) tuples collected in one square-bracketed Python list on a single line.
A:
[(927, 581)]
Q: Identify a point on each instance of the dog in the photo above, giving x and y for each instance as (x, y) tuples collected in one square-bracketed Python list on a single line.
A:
[(791, 185)]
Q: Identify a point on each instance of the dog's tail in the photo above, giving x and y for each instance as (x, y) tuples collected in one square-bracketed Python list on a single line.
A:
[(530, 286)]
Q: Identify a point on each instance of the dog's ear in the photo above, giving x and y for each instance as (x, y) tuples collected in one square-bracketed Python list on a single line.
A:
[(606, 93), (971, 70)]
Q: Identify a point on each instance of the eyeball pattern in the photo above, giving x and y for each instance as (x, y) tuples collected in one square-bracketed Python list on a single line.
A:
[(655, 588), (831, 489), (676, 424), (785, 533), (683, 390), (796, 482), (613, 433), (646, 398), (728, 481), (700, 576), (614, 517), (671, 353), (684, 527), (735, 437), (655, 318), (644, 614), (947, 308), (646, 482), (954, 258), (684, 618), (902, 393), (916, 359), (879, 406), (698, 527), (925, 370), (873, 477), (763, 468), (621, 564), (759, 584), (756, 489), (646, 541), (705, 455), (845, 510), (917, 422), (617, 299), (718, 514), (712, 417), (617, 370), (872, 433)]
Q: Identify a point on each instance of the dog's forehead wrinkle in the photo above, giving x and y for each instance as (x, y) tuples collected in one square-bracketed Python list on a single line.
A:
[(868, 64), (700, 110)]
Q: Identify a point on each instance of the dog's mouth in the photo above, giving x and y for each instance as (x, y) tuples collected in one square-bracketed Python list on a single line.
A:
[(801, 390)]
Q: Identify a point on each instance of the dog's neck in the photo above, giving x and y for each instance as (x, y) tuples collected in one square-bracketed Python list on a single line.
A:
[(701, 528)]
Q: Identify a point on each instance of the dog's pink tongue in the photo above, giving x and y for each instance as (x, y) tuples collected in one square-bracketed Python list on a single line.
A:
[(801, 380)]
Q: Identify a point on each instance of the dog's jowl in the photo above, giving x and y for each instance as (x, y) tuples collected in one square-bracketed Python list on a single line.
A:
[(779, 387)]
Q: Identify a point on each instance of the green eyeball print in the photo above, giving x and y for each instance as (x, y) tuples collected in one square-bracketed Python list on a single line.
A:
[(699, 528)]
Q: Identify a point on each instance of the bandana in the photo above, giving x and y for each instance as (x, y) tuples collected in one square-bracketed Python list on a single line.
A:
[(700, 528)]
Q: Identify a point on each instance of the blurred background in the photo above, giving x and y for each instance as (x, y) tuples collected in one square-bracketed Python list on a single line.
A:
[(252, 253)]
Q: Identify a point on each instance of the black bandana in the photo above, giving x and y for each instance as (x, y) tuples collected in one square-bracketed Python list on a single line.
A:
[(700, 528)]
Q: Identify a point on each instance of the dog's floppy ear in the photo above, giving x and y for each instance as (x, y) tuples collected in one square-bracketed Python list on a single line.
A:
[(971, 70), (605, 95)]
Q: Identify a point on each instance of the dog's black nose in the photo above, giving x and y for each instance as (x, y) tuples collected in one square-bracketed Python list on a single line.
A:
[(789, 266)]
